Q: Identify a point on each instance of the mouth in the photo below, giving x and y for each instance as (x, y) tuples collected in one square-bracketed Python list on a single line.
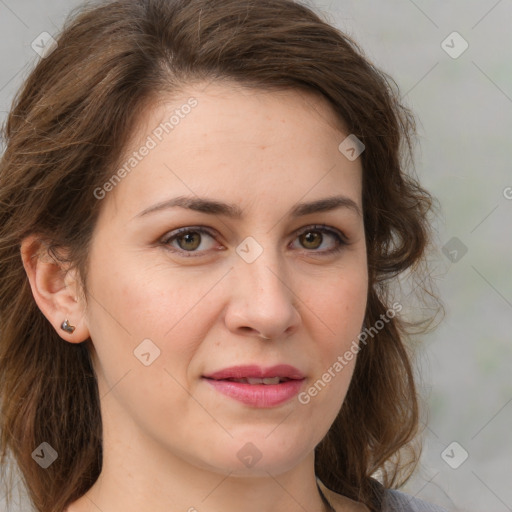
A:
[(255, 386), (255, 381), (253, 374)]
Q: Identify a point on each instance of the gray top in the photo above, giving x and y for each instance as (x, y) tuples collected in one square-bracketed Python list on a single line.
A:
[(396, 501), (392, 500)]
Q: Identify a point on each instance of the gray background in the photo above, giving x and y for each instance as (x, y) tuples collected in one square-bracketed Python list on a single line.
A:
[(464, 107)]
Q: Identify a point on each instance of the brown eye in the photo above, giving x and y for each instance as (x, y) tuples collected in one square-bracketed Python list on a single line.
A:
[(313, 237), (188, 240)]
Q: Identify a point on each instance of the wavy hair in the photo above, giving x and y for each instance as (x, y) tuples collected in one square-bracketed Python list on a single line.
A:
[(66, 132)]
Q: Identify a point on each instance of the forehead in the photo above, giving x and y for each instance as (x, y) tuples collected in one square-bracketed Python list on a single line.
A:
[(222, 139)]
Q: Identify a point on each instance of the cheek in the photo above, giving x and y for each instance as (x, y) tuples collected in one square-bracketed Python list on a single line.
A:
[(141, 311), (144, 300), (340, 309), (340, 305), (341, 314), (137, 302)]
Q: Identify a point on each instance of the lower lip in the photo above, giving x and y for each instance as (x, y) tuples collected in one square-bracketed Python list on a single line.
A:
[(258, 395)]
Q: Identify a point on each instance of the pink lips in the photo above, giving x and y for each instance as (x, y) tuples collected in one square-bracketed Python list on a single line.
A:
[(258, 395)]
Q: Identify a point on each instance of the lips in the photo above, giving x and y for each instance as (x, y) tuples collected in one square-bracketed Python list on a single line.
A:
[(252, 374), (255, 386)]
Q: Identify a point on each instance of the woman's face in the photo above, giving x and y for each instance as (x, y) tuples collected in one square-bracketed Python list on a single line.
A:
[(166, 309)]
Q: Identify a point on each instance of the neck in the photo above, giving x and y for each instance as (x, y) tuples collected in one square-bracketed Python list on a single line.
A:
[(137, 477)]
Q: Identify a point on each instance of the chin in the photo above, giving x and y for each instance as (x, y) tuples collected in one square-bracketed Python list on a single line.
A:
[(255, 456)]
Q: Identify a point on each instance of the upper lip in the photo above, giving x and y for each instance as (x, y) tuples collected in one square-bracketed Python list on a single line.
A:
[(258, 372)]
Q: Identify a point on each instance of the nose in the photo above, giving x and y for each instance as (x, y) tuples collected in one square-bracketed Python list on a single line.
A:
[(262, 300)]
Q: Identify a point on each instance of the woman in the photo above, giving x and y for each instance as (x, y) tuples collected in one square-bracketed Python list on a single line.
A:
[(204, 205)]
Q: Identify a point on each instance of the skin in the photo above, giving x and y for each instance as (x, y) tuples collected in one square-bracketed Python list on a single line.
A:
[(170, 439)]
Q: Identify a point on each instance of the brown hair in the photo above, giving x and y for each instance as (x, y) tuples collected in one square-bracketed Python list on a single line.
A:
[(66, 132)]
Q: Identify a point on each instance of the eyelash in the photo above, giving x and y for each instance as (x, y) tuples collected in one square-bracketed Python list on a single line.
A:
[(340, 239)]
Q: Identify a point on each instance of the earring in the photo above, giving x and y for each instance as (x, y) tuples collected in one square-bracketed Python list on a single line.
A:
[(66, 327)]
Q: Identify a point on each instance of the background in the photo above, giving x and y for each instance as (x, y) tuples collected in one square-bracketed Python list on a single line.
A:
[(453, 64)]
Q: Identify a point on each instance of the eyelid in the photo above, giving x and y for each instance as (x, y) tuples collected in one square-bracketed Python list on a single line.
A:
[(325, 229), (168, 237)]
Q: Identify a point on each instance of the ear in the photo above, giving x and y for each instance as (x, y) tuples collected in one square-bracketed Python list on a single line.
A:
[(55, 289)]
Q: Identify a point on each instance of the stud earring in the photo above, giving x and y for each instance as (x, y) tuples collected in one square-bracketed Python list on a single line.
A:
[(66, 327)]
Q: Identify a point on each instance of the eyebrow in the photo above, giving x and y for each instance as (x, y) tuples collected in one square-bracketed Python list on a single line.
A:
[(233, 211)]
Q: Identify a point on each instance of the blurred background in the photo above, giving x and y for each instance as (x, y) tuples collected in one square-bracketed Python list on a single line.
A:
[(453, 64)]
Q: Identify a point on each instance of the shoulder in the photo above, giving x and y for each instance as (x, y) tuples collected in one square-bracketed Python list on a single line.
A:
[(340, 502), (396, 501), (392, 501)]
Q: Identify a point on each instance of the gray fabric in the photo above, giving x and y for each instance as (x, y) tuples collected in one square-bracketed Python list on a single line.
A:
[(396, 501)]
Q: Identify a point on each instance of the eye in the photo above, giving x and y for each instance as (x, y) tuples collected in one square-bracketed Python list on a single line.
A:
[(187, 241), (312, 238)]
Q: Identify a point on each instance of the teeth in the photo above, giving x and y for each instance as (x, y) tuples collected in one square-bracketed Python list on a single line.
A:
[(251, 380), (270, 380)]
